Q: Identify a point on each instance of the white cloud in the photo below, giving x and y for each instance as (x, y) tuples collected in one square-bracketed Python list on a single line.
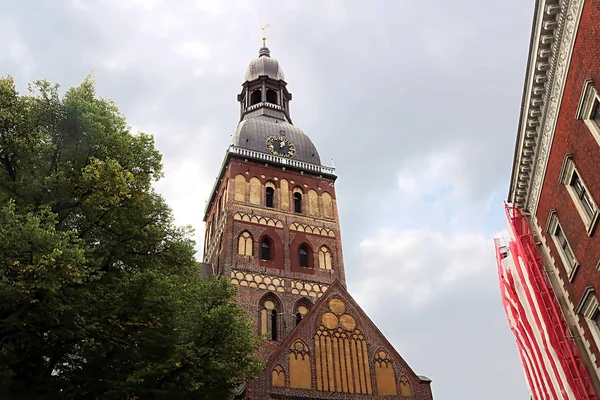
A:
[(440, 172), (422, 255), (218, 7), (419, 266), (187, 197), (15, 52), (192, 49)]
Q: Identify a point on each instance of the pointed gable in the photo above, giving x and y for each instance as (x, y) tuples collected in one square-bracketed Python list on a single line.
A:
[(336, 348)]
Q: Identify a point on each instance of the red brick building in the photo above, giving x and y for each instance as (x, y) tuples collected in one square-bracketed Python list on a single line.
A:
[(272, 228), (555, 184)]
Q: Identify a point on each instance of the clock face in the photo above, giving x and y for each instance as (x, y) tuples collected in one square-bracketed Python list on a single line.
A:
[(280, 146)]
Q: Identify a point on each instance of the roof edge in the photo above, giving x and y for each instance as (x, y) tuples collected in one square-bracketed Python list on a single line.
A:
[(523, 98), (553, 36)]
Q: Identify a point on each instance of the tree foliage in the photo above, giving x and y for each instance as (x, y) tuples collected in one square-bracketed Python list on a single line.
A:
[(100, 294)]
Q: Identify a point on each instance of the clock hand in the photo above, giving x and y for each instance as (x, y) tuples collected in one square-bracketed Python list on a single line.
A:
[(282, 144)]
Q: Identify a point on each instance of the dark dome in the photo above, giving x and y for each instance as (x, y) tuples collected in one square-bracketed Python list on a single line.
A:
[(252, 134), (264, 65)]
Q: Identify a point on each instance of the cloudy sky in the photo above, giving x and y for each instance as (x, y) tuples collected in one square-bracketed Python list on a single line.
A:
[(418, 102)]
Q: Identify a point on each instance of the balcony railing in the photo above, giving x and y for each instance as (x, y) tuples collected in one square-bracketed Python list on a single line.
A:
[(257, 155), (264, 104)]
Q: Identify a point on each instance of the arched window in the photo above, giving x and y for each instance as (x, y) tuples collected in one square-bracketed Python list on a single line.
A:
[(324, 258), (304, 254), (270, 308), (298, 202), (405, 388), (245, 244), (384, 374), (270, 196), (255, 97), (274, 324), (266, 249), (302, 307), (271, 96)]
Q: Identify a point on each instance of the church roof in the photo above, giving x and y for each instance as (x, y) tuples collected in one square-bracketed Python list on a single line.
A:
[(264, 65), (252, 134)]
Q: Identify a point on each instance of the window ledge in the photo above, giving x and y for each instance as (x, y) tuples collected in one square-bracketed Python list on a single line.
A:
[(591, 227), (573, 272)]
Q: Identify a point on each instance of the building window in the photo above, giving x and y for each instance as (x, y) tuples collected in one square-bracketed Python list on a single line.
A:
[(583, 195), (302, 307), (245, 244), (585, 204), (563, 247), (304, 254), (298, 202), (324, 258), (589, 108), (596, 112), (590, 309), (255, 97), (270, 195), (270, 309), (597, 319), (271, 96), (266, 248), (274, 325)]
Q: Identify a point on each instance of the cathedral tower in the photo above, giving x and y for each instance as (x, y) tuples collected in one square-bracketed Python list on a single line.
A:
[(272, 223), (272, 229)]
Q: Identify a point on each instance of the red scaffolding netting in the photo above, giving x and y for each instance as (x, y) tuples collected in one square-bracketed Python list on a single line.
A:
[(557, 333)]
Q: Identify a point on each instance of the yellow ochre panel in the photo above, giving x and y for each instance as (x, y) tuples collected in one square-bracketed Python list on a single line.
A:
[(385, 377), (337, 306), (336, 364), (348, 365), (255, 190), (240, 188), (405, 388), (367, 367), (331, 378), (284, 194), (330, 320), (313, 202), (318, 363), (278, 376), (263, 322), (327, 205)]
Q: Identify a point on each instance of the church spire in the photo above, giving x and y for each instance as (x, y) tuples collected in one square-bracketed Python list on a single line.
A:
[(264, 37), (264, 89), (265, 113)]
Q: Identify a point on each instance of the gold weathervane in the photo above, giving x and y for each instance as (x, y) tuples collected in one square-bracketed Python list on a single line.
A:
[(264, 37)]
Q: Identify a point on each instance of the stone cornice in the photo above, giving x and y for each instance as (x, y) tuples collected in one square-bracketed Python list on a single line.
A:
[(553, 36)]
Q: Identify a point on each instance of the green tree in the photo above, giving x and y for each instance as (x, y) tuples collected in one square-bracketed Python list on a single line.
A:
[(100, 294)]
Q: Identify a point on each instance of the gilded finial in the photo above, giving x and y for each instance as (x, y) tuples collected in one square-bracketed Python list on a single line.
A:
[(264, 37)]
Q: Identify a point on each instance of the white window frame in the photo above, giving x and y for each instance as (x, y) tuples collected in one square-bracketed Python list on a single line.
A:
[(588, 103), (589, 308), (568, 172), (552, 228)]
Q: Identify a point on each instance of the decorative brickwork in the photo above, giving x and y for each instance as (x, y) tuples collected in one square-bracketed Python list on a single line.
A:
[(342, 355), (272, 228)]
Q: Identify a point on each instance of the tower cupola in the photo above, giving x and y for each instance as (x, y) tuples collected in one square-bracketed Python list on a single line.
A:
[(265, 113)]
